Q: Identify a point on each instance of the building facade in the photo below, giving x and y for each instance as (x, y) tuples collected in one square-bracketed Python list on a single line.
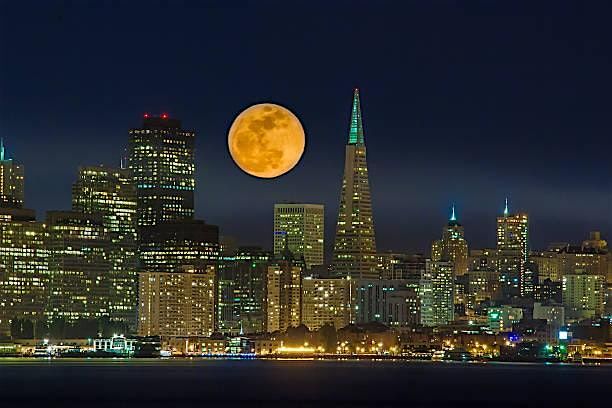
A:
[(283, 295), (179, 303), (24, 270), (437, 294), (393, 302), (512, 247), (501, 319), (111, 193), (326, 301), (355, 243), (302, 227), (583, 296), (242, 291), (162, 161), (79, 266), (169, 245)]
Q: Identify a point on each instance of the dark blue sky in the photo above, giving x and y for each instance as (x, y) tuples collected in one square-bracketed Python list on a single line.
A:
[(462, 101)]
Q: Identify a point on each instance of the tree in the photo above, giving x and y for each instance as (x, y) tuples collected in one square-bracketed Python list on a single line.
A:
[(328, 337)]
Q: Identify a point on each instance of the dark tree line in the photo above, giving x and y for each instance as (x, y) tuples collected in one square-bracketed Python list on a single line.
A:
[(60, 329)]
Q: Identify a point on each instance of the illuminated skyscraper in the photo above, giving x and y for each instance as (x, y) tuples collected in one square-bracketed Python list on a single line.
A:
[(24, 272), (11, 181), (355, 245), (79, 266), (437, 293), (161, 157), (452, 247), (302, 226), (512, 248), (111, 193)]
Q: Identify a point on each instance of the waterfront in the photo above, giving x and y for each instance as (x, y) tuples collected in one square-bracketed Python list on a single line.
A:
[(296, 383)]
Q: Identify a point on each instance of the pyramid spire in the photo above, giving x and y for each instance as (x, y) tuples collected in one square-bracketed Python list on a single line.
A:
[(506, 211), (453, 217), (356, 130), (355, 243)]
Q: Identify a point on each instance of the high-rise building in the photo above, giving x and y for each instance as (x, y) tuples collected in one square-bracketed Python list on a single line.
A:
[(355, 244), (437, 294), (326, 301), (301, 225), (170, 245), (242, 291), (452, 247), (11, 181), (111, 194), (161, 157), (283, 293), (24, 272), (178, 303), (512, 247), (583, 296), (79, 266), (393, 302)]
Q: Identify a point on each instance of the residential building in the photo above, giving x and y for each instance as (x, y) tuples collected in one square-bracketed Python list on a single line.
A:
[(326, 301), (177, 303)]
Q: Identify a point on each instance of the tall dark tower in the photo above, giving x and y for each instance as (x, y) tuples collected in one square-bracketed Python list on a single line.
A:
[(161, 157), (11, 181), (355, 245)]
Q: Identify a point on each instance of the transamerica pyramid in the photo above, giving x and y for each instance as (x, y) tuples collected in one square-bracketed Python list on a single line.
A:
[(355, 244)]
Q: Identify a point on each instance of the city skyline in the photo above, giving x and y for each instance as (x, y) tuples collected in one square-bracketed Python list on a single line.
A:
[(422, 246), (188, 216), (413, 104)]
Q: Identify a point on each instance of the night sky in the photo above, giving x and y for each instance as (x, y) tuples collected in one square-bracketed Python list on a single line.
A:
[(463, 102)]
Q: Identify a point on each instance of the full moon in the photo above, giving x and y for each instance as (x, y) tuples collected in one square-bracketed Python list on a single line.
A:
[(266, 140)]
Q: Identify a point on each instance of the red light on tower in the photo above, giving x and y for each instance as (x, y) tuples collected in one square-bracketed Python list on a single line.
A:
[(146, 115), (164, 116)]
